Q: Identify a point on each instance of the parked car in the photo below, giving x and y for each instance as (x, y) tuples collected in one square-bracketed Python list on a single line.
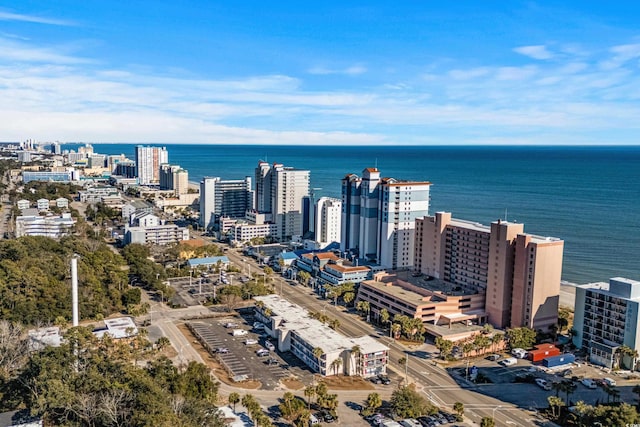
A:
[(250, 341), (269, 345), (384, 379), (326, 416), (609, 382), (494, 357), (262, 352), (222, 350), (239, 332), (589, 383), (520, 353), (230, 325), (258, 325), (544, 384), (509, 361), (271, 361)]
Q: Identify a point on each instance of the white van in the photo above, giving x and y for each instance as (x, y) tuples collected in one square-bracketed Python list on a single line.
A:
[(610, 382), (269, 345), (510, 361), (520, 353), (239, 332), (589, 383), (313, 420)]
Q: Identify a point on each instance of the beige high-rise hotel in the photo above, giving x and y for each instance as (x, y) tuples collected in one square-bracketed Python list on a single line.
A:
[(519, 272)]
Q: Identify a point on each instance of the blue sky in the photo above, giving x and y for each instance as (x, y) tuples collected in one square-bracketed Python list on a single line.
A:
[(256, 72)]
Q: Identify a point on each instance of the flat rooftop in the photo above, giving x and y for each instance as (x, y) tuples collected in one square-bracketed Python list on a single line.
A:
[(296, 318)]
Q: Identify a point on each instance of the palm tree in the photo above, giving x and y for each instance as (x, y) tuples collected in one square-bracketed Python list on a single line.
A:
[(309, 392), (317, 353), (334, 324), (356, 352), (335, 365), (459, 408), (496, 339), (395, 330), (234, 398)]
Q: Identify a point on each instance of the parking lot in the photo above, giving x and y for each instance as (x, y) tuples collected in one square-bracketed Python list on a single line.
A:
[(194, 290), (240, 359)]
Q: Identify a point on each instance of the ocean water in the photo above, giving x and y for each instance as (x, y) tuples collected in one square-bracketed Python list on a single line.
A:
[(587, 196)]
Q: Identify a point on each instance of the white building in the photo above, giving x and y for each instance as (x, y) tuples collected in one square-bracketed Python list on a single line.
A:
[(23, 204), (134, 206), (48, 226), (173, 177), (224, 198), (280, 190), (606, 318), (378, 217), (42, 204), (62, 202), (328, 220), (293, 330), (148, 161), (156, 235)]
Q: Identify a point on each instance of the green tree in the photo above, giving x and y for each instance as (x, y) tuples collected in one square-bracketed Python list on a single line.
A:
[(407, 403), (444, 346), (374, 401), (487, 422), (309, 393), (521, 337), (234, 398), (356, 353), (458, 407), (318, 353), (555, 403)]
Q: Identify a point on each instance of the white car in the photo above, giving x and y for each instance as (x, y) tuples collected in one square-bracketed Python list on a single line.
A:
[(262, 352), (269, 345), (258, 325), (239, 332), (589, 383), (251, 341), (544, 384)]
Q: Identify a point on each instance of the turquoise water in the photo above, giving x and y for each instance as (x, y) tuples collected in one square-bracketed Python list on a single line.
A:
[(588, 196)]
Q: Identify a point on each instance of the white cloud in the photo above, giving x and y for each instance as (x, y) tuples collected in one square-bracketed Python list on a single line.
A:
[(535, 52), (9, 16), (353, 70), (11, 50)]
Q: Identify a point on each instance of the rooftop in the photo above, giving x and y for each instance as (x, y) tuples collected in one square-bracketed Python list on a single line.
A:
[(118, 327), (194, 262), (297, 319)]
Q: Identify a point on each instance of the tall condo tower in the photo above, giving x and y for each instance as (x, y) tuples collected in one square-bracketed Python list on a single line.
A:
[(224, 198), (148, 161), (378, 217), (280, 191)]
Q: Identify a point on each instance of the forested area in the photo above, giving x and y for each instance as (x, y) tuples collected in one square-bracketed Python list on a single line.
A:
[(97, 382), (35, 279)]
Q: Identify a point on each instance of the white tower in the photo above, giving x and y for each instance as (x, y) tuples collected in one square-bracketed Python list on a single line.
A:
[(74, 289)]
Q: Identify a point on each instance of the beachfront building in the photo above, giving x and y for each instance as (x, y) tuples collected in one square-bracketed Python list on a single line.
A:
[(224, 198), (606, 318), (49, 226), (174, 178), (148, 161), (520, 273), (323, 349), (280, 191), (378, 218), (433, 301), (327, 221)]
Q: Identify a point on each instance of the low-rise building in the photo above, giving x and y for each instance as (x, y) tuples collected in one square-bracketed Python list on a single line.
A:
[(321, 348), (135, 206), (211, 261), (62, 203), (117, 328), (48, 226), (96, 194), (156, 235), (434, 301), (42, 204), (606, 318), (23, 204)]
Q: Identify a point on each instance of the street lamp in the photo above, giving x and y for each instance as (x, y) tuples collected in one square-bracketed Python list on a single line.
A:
[(493, 412)]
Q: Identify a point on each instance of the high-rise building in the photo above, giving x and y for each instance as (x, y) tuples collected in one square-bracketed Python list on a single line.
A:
[(606, 318), (148, 161), (224, 198), (520, 273), (378, 217), (173, 177), (280, 191), (327, 220)]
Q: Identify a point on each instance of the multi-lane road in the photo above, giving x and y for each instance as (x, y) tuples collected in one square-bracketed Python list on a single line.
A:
[(435, 382)]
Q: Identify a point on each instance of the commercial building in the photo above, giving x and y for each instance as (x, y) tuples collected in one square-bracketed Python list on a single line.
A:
[(54, 176), (224, 198), (606, 318), (378, 217), (293, 330), (280, 191), (162, 234), (148, 161), (520, 273), (48, 226), (174, 178), (433, 301), (327, 220)]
